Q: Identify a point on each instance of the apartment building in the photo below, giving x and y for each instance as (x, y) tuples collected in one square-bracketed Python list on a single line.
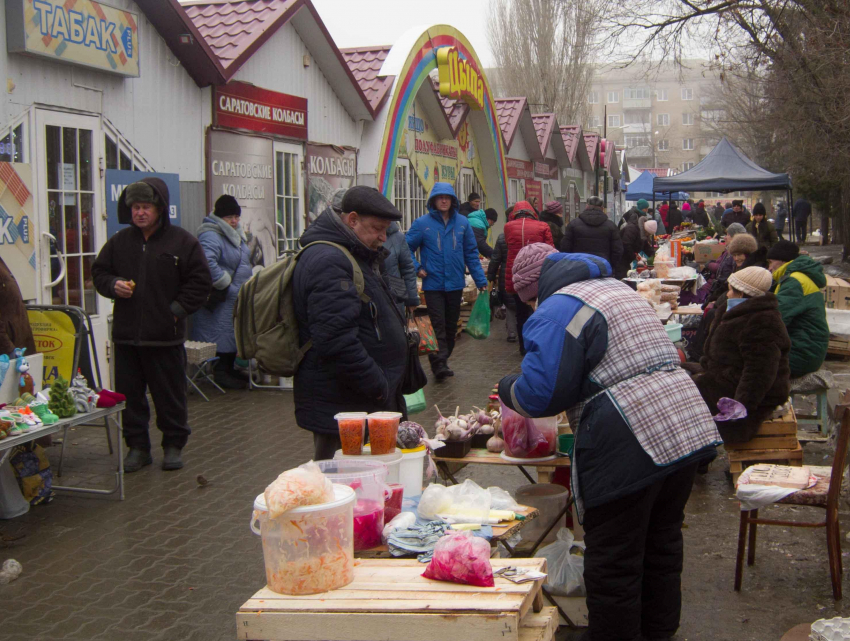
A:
[(663, 117)]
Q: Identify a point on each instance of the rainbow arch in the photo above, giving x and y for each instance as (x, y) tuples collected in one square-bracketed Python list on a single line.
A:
[(421, 61)]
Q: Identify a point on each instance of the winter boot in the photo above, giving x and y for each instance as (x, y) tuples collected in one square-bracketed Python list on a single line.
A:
[(171, 459), (136, 459), (222, 372)]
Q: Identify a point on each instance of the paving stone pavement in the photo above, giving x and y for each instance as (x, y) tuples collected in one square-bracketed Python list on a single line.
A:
[(174, 561)]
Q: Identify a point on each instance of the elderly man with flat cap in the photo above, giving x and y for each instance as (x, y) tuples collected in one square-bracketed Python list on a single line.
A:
[(358, 354)]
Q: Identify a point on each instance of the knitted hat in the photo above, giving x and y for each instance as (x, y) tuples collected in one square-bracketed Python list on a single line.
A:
[(650, 226), (784, 250), (226, 205), (473, 196), (753, 281), (686, 206), (526, 270), (742, 244), (759, 210), (554, 207), (736, 228), (642, 204), (141, 192), (491, 214)]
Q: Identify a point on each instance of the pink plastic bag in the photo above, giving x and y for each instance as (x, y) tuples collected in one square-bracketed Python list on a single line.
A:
[(460, 557), (523, 439)]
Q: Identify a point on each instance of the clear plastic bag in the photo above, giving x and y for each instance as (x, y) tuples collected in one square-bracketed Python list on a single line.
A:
[(304, 485), (464, 503), (400, 522), (523, 439), (460, 557), (502, 500), (565, 563)]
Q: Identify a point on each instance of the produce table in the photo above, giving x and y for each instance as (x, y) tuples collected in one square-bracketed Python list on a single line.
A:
[(501, 533), (483, 457), (690, 310), (389, 599), (107, 414)]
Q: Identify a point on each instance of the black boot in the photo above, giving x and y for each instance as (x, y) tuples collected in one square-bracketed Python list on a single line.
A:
[(136, 459), (222, 372)]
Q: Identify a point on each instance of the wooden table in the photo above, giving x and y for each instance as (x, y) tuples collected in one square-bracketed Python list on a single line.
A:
[(689, 310), (483, 457), (501, 533), (389, 598)]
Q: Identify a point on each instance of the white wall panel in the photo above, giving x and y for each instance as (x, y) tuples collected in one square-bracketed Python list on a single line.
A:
[(278, 65), (163, 113)]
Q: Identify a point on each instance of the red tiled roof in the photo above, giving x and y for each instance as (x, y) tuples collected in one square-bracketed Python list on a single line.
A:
[(231, 28), (591, 141), (661, 172), (544, 126), (570, 134), (456, 110), (365, 63), (509, 111)]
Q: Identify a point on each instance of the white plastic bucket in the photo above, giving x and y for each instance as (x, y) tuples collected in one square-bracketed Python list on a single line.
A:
[(392, 461), (412, 471)]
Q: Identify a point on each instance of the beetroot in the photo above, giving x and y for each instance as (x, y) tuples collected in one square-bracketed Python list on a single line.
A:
[(459, 557)]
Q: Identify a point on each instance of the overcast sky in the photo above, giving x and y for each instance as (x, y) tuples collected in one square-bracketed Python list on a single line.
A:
[(381, 22)]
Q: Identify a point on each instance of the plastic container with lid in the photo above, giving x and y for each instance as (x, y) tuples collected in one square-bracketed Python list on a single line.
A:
[(309, 549), (368, 480), (352, 430), (391, 460), (412, 471), (383, 431), (550, 499)]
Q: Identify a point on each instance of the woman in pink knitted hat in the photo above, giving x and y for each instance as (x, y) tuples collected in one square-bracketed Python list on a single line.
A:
[(526, 269)]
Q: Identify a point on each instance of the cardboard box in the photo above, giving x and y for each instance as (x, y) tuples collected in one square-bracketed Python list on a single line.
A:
[(706, 252), (837, 293)]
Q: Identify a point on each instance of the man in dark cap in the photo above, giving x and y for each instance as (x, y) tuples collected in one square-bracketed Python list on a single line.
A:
[(473, 203), (158, 276), (358, 353)]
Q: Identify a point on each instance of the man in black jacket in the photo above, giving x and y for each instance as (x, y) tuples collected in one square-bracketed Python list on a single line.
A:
[(158, 276), (473, 203), (359, 352), (594, 233)]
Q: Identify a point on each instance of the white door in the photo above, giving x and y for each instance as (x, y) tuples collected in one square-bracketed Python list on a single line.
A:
[(67, 159), (289, 196)]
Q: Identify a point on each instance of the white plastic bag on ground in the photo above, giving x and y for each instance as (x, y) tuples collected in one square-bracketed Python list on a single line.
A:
[(566, 570), (304, 485)]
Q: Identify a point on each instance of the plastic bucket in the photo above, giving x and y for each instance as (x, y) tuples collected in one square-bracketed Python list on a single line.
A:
[(392, 461), (412, 471), (674, 331), (310, 549), (368, 480)]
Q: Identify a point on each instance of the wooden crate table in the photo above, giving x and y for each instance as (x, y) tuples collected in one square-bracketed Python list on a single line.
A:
[(501, 532), (774, 442), (389, 599), (483, 457)]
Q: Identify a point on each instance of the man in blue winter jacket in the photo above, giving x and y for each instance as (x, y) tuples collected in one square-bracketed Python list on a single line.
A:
[(447, 246), (595, 349)]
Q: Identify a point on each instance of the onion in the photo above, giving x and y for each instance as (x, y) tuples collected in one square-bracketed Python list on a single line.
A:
[(495, 445)]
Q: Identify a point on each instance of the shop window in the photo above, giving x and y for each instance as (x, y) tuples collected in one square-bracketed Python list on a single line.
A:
[(12, 144), (409, 195), (514, 191), (119, 153), (469, 183), (111, 150), (288, 197)]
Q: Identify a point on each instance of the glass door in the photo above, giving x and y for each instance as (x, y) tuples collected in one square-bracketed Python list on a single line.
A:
[(288, 197)]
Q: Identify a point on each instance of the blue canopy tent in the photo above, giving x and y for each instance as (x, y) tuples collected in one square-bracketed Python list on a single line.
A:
[(642, 188)]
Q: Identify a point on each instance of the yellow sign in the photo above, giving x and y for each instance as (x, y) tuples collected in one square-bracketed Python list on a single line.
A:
[(82, 32), (54, 336), (459, 78)]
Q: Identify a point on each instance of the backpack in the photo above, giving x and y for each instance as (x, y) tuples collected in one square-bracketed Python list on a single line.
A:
[(264, 315)]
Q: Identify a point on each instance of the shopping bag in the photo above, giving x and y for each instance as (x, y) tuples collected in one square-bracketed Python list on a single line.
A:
[(427, 338), (415, 402), (478, 325)]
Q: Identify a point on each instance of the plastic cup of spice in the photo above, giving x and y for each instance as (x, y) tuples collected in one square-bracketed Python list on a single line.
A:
[(352, 427), (383, 430)]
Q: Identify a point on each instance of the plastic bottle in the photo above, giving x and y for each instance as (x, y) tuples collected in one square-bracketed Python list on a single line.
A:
[(10, 571)]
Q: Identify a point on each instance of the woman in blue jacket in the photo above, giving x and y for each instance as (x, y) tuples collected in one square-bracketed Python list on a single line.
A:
[(447, 247), (226, 249)]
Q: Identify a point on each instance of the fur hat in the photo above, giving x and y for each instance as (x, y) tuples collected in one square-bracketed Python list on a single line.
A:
[(141, 192), (784, 250), (227, 205), (595, 201), (742, 244), (526, 269), (753, 281)]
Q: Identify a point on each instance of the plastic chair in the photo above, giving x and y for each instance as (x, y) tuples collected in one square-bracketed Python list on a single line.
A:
[(823, 495)]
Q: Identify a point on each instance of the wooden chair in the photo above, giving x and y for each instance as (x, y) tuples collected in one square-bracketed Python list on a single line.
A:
[(824, 495)]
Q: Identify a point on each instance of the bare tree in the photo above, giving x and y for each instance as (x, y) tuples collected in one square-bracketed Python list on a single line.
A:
[(544, 50)]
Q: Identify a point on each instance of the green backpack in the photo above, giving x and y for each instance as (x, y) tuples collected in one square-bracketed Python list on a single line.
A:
[(264, 315)]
